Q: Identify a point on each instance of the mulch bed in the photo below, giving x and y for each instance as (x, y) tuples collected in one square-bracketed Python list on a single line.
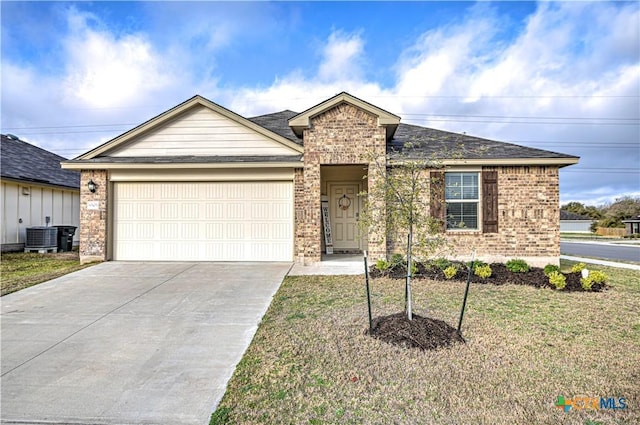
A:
[(428, 334), (500, 276), (421, 332)]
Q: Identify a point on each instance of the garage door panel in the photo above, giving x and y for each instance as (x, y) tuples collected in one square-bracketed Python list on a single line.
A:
[(281, 210), (234, 231), (190, 211), (260, 211), (259, 231), (235, 211), (144, 231), (204, 221), (214, 211), (143, 211), (190, 231), (214, 231)]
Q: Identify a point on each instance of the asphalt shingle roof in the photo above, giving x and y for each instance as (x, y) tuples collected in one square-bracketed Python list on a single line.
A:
[(427, 142), (20, 160), (568, 215), (279, 124), (443, 144)]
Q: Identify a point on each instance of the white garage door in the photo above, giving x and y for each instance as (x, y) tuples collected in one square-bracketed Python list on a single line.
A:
[(240, 221)]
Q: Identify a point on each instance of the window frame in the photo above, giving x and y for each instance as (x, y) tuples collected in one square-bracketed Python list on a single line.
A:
[(477, 201)]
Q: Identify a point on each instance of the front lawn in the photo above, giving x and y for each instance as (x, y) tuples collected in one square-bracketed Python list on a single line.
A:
[(311, 361), (20, 270)]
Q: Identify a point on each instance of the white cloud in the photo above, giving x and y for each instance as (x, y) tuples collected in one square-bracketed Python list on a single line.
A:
[(340, 69), (341, 58), (567, 60), (106, 71)]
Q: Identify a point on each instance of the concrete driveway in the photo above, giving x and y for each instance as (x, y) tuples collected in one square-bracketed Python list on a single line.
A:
[(130, 343)]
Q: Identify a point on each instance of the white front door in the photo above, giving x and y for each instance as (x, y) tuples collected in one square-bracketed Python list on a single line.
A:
[(344, 205)]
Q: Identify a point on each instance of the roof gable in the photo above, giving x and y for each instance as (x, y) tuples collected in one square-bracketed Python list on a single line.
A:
[(212, 130), (22, 161), (385, 118)]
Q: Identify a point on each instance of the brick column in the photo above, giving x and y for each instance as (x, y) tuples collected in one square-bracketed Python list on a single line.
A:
[(377, 237), (312, 214), (93, 222), (299, 215)]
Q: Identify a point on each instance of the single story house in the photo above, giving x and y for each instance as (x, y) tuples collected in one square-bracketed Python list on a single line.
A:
[(632, 226), (574, 223), (34, 188), (202, 183)]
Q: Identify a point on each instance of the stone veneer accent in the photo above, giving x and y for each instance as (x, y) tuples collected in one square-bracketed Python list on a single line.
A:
[(343, 135), (93, 228)]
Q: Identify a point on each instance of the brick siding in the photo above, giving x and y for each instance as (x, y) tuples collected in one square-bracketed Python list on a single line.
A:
[(528, 220), (93, 223), (344, 135)]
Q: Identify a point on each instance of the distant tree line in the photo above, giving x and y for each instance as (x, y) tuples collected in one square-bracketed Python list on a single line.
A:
[(607, 215)]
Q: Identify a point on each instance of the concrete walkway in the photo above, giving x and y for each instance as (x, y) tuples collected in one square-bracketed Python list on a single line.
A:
[(336, 264), (130, 343)]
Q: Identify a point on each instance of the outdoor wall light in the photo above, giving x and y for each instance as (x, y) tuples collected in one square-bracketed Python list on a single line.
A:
[(92, 186)]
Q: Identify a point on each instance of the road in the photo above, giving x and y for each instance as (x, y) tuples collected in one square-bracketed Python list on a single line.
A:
[(601, 250)]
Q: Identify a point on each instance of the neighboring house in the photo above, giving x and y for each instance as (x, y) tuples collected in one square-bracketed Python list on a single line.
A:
[(574, 223), (201, 183), (632, 226), (34, 187)]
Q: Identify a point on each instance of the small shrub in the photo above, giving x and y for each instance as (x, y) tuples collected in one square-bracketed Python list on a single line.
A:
[(475, 263), (557, 279), (382, 265), (577, 268), (442, 263), (397, 260), (596, 276), (551, 268), (414, 267), (517, 265), (450, 272), (483, 271)]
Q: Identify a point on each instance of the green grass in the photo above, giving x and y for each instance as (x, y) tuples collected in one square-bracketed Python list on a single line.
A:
[(21, 270), (311, 361)]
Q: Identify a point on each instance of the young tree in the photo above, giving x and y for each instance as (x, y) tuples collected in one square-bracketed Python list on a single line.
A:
[(403, 184)]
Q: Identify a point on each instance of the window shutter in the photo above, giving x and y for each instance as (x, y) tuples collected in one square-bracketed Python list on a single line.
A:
[(490, 202), (436, 191)]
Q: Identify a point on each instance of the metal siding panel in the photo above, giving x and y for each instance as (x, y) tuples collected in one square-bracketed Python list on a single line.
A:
[(24, 213), (35, 198)]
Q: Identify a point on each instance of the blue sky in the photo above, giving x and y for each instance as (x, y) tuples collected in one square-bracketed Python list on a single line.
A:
[(558, 76)]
